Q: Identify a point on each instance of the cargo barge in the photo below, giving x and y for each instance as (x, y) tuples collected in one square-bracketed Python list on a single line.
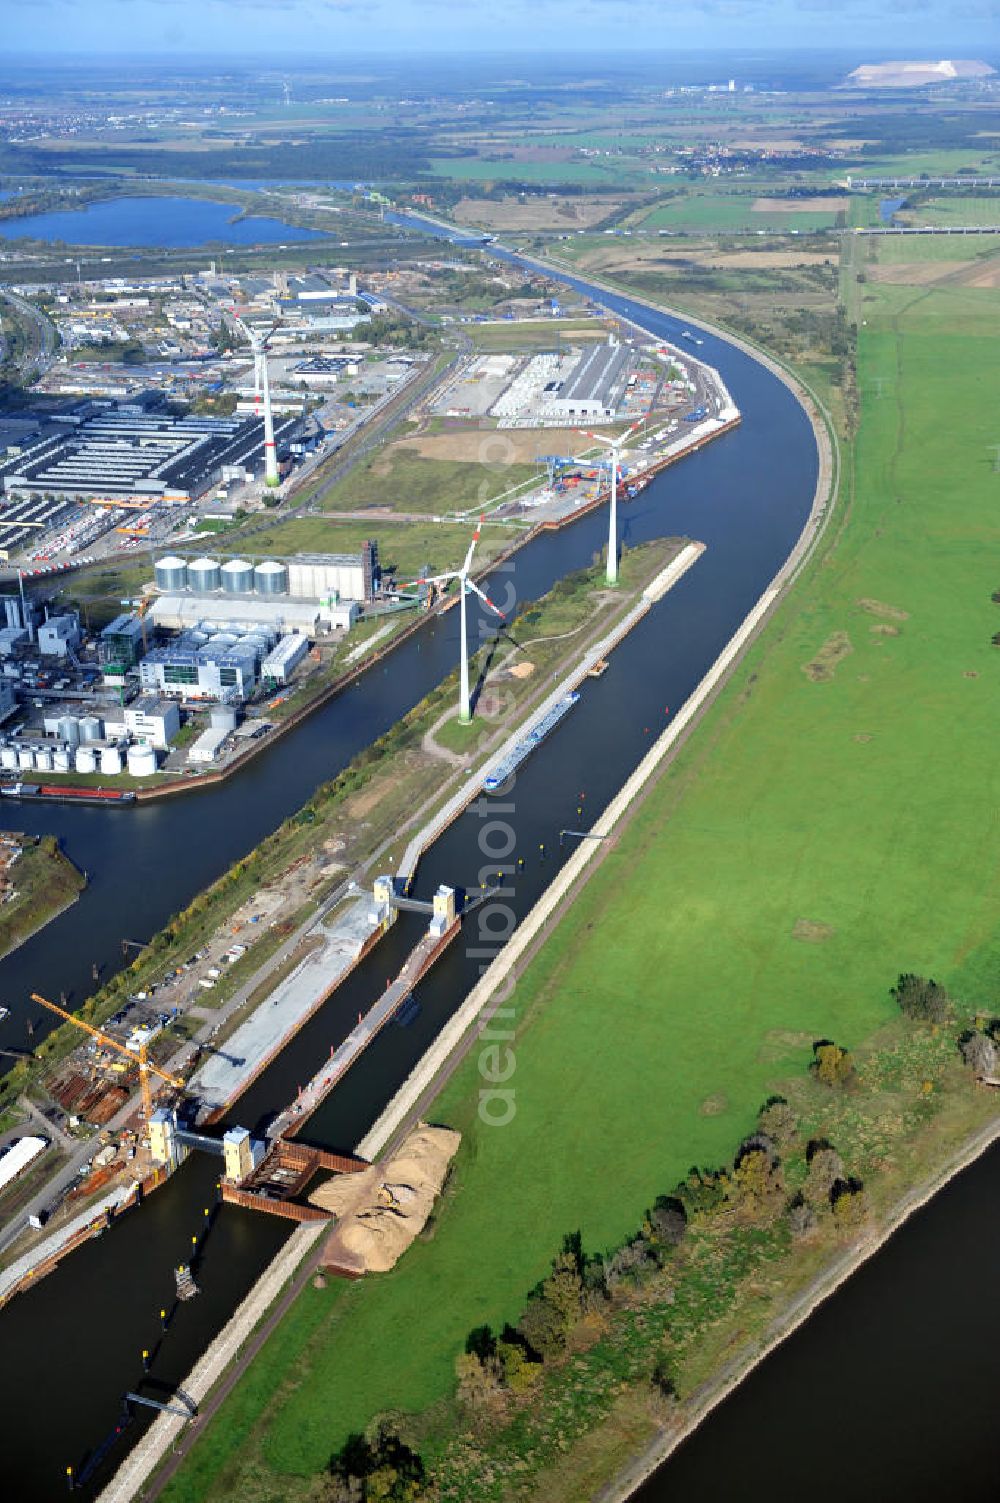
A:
[(53, 793), (523, 749)]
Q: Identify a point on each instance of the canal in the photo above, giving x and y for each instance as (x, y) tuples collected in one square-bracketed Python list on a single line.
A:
[(79, 1335)]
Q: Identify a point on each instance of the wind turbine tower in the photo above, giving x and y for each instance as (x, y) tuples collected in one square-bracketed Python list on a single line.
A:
[(465, 584), (614, 447), (262, 392)]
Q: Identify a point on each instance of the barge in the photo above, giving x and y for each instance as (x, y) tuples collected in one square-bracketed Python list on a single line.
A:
[(523, 748), (55, 794)]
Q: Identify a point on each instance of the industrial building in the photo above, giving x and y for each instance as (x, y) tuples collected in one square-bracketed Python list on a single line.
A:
[(134, 452), (122, 643), (59, 636), (305, 576), (280, 663), (596, 385), (151, 721)]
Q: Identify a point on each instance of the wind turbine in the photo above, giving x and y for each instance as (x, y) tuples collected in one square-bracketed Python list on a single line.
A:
[(614, 447), (262, 389), (465, 584)]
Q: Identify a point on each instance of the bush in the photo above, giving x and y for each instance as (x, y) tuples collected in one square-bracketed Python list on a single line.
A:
[(777, 1120), (826, 1168), (831, 1064), (802, 1218), (979, 1053), (667, 1221), (920, 999)]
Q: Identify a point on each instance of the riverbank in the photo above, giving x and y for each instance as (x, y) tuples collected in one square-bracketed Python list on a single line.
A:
[(795, 1314), (44, 883)]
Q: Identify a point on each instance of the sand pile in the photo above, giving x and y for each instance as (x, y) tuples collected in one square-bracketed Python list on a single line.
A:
[(380, 1211)]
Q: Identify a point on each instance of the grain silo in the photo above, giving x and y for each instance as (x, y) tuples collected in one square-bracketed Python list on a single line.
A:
[(8, 758), (25, 758), (69, 729), (270, 578), (203, 575), (86, 759), (60, 759), (111, 761), (222, 718), (237, 577), (170, 574), (43, 759), (90, 728)]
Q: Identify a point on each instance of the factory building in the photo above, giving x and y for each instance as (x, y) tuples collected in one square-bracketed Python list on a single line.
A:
[(121, 643), (154, 722), (305, 576), (133, 453), (596, 385), (278, 666), (59, 635), (207, 672)]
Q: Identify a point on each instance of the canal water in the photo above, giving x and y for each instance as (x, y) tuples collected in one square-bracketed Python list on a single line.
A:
[(746, 496), (163, 222)]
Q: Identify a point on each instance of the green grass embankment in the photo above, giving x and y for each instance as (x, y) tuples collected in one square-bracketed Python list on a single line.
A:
[(830, 825), (45, 882)]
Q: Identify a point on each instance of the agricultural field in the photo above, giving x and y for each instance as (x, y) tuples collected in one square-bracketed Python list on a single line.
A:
[(549, 211), (953, 211), (611, 173), (850, 766), (405, 478), (740, 213)]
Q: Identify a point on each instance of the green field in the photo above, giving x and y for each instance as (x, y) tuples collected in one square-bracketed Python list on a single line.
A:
[(724, 213), (405, 480), (900, 249), (954, 211), (496, 169), (849, 782), (406, 546)]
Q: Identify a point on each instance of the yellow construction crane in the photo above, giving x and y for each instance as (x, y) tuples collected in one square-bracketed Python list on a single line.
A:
[(140, 1057)]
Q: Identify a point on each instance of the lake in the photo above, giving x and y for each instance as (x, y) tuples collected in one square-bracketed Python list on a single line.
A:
[(164, 222)]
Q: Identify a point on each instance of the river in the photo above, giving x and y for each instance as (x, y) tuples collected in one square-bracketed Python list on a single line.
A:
[(79, 1335)]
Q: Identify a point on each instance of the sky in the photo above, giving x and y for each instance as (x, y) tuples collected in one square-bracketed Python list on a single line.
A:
[(327, 28)]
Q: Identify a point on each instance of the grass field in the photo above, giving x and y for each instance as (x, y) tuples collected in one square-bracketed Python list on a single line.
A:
[(401, 479), (404, 546), (496, 169), (954, 211), (724, 212), (855, 807)]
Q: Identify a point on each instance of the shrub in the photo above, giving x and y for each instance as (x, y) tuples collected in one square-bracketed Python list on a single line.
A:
[(979, 1053), (921, 999), (667, 1221), (831, 1064), (802, 1218), (778, 1121), (826, 1168)]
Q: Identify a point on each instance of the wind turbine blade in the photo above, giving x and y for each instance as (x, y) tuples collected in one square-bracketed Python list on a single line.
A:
[(472, 548), (429, 579), (483, 596)]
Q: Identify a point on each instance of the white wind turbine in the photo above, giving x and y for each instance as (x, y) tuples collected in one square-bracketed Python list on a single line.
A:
[(257, 340), (465, 584), (614, 447)]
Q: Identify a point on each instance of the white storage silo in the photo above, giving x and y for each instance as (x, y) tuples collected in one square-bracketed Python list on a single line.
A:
[(43, 759), (141, 761), (203, 575), (170, 574), (69, 729), (25, 758), (111, 761), (86, 759), (90, 728), (270, 578), (237, 576), (60, 759), (8, 758)]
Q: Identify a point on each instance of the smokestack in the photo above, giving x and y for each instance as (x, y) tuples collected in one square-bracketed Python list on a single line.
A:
[(271, 476)]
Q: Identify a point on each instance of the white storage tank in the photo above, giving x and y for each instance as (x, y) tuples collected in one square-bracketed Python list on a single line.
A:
[(222, 718), (25, 758), (170, 574), (111, 761), (270, 578), (60, 759), (43, 759), (222, 639), (203, 575), (141, 761), (86, 759), (90, 728), (8, 758), (69, 729), (237, 576)]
